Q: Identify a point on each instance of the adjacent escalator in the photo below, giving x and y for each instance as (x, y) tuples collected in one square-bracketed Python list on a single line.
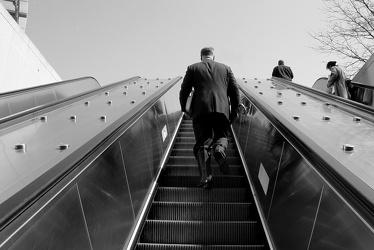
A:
[(184, 216)]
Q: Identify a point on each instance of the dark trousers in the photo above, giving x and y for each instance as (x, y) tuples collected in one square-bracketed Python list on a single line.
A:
[(210, 125)]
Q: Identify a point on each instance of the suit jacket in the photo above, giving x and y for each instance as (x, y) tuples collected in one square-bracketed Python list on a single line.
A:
[(283, 71), (215, 89)]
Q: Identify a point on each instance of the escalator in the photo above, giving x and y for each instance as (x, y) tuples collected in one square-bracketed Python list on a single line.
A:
[(183, 216)]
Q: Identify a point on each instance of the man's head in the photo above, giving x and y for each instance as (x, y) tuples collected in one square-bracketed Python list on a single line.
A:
[(280, 62), (207, 52)]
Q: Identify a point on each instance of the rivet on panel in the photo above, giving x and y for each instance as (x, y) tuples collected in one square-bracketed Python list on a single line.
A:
[(148, 83), (327, 104), (63, 146), (87, 103), (243, 78), (125, 93), (144, 92), (103, 118), (356, 119), (106, 93), (256, 87), (246, 81), (260, 93), (20, 146), (271, 87), (110, 102), (255, 78), (326, 118), (73, 117), (259, 81), (43, 118), (298, 94), (348, 147), (279, 94), (157, 78), (303, 103), (126, 87), (162, 82), (169, 78), (133, 101), (157, 86), (280, 102), (141, 86), (134, 82), (296, 117)]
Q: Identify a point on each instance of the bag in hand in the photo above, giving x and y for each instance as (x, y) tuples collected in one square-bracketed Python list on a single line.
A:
[(189, 102)]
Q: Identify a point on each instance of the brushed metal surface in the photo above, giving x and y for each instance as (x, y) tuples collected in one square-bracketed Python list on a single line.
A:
[(63, 226), (301, 209), (108, 193)]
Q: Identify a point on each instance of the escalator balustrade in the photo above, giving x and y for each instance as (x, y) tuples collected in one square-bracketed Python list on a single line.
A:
[(184, 216)]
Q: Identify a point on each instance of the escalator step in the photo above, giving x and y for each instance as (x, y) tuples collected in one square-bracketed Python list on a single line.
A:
[(173, 194), (148, 246), (189, 160), (201, 232), (220, 181), (230, 152), (192, 170), (202, 211)]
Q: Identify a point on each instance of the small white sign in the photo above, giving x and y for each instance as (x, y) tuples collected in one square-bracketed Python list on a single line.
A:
[(264, 178), (164, 133)]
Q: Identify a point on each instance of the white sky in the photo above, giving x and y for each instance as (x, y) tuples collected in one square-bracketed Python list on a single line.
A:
[(118, 39)]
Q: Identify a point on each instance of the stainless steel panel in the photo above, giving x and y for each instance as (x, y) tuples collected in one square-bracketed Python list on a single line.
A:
[(294, 204), (4, 108), (106, 201), (337, 228), (62, 227), (21, 102), (153, 138), (136, 163), (45, 96)]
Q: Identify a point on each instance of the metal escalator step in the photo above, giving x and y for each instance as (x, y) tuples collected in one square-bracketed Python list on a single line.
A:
[(189, 160), (189, 145), (188, 152), (192, 170), (175, 194), (185, 139), (152, 246), (201, 232), (202, 211), (220, 181)]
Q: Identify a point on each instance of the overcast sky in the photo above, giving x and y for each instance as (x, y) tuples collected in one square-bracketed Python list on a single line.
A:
[(118, 39)]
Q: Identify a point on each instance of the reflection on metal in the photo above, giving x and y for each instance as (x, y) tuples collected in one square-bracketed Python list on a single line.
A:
[(304, 207), (98, 203), (24, 100)]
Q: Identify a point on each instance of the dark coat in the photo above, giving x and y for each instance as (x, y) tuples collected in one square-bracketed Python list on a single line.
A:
[(213, 83), (283, 71)]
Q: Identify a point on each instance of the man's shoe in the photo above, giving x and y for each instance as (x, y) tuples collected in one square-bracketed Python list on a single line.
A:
[(207, 184), (222, 162)]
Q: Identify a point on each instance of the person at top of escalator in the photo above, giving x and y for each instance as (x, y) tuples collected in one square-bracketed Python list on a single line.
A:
[(214, 104), (282, 71), (337, 80)]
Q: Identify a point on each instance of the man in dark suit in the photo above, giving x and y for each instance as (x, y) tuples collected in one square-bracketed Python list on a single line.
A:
[(282, 71), (214, 104)]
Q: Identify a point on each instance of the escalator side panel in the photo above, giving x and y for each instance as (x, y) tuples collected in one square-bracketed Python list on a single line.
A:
[(104, 195), (61, 227), (300, 208)]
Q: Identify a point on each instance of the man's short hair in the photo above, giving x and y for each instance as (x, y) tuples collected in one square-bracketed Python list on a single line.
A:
[(207, 51), (280, 62)]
